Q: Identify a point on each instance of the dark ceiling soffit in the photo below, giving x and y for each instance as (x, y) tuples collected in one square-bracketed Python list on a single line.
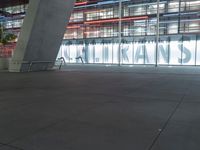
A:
[(7, 3)]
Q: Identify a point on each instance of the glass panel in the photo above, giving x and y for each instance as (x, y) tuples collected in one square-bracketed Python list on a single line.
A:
[(80, 53), (99, 53), (198, 50), (188, 52), (115, 53), (107, 52), (91, 52), (150, 51), (126, 53), (163, 52), (173, 7), (139, 52), (65, 52), (175, 51)]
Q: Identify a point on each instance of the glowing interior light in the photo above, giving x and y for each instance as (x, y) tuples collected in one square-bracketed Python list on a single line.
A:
[(193, 3), (88, 32), (115, 20), (73, 27), (145, 4), (95, 11), (80, 3)]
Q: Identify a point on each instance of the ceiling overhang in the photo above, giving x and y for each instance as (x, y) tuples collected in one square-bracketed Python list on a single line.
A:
[(7, 3)]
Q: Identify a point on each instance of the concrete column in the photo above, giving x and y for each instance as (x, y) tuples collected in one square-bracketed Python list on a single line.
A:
[(41, 35)]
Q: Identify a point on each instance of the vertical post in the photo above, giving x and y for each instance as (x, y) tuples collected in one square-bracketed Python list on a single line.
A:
[(157, 31), (1, 28), (120, 31), (1, 31)]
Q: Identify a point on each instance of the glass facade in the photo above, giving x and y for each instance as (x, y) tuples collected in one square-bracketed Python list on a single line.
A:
[(173, 50), (102, 32), (125, 32)]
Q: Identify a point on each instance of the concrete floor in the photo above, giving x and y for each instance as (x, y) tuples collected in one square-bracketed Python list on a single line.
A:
[(101, 108)]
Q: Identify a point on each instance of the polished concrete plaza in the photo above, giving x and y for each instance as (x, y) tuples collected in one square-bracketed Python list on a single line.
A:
[(101, 108)]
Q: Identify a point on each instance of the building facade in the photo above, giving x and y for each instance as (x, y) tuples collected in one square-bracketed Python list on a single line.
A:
[(12, 14), (125, 32)]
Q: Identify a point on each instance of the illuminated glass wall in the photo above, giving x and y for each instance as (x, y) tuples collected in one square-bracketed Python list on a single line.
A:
[(93, 33), (173, 50), (101, 19)]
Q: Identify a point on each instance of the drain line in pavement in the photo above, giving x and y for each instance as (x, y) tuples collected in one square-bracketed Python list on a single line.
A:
[(167, 122)]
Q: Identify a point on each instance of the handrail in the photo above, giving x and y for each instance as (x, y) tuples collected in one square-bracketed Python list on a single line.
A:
[(34, 62), (61, 63)]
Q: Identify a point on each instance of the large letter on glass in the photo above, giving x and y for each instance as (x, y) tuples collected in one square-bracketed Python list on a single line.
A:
[(175, 50), (163, 51), (188, 53)]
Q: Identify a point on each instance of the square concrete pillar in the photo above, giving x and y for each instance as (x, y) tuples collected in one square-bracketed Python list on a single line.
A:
[(41, 35)]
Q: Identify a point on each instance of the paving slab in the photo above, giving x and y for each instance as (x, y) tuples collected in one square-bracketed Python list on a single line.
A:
[(183, 129), (112, 126), (9, 147), (177, 136), (101, 108)]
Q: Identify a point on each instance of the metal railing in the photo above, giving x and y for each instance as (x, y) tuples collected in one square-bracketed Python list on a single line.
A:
[(28, 65), (62, 61), (40, 62)]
